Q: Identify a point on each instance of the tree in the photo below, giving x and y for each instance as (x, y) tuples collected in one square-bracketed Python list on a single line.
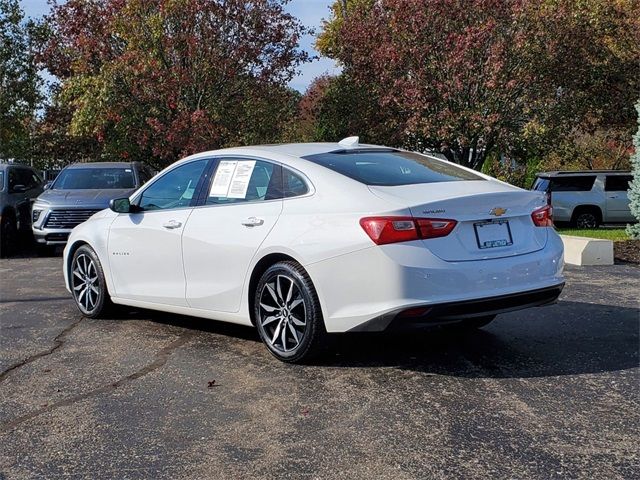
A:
[(159, 79), (634, 189), (19, 83), (479, 76)]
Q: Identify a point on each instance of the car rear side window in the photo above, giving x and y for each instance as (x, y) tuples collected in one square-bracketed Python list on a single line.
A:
[(541, 184), (617, 183), (391, 167), (294, 185), (244, 180), (572, 184)]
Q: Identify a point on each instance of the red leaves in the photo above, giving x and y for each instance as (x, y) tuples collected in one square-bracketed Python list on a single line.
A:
[(164, 78)]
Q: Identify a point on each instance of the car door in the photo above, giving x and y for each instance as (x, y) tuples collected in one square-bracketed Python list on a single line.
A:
[(617, 199), (239, 208), (145, 247)]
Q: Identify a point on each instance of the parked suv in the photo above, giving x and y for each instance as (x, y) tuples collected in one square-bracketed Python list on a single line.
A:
[(19, 187), (589, 198), (79, 191)]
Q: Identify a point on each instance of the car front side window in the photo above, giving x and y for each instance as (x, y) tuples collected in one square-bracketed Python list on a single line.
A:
[(175, 189)]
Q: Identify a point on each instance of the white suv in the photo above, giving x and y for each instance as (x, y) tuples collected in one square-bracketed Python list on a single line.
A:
[(589, 198)]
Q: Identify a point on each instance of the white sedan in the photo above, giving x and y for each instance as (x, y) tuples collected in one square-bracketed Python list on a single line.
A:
[(302, 240)]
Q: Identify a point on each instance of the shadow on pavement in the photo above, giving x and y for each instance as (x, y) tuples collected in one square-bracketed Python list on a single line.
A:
[(570, 338)]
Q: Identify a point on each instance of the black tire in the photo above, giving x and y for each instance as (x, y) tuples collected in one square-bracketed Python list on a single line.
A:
[(279, 313), (584, 218), (478, 322), (8, 236), (88, 284)]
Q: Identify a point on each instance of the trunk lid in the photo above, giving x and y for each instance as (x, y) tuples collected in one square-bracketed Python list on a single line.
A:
[(494, 219)]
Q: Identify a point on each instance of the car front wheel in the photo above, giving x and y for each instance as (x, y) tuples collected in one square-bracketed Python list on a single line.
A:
[(88, 284), (287, 313)]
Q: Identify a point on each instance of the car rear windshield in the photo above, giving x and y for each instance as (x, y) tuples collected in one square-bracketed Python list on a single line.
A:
[(95, 178), (391, 167)]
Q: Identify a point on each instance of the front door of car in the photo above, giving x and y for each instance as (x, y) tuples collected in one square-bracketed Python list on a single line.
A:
[(239, 208), (145, 246)]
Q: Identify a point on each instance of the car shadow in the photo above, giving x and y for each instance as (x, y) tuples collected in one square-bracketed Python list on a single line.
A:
[(570, 338)]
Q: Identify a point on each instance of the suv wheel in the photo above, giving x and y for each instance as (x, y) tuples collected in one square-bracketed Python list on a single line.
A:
[(586, 218)]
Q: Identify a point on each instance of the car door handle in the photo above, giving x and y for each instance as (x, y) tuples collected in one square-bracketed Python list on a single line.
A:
[(613, 196), (252, 222), (171, 224)]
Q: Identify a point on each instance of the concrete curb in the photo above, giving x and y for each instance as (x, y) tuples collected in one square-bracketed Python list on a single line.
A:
[(587, 251)]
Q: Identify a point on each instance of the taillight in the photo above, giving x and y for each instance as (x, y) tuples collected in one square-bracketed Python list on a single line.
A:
[(383, 230), (543, 217)]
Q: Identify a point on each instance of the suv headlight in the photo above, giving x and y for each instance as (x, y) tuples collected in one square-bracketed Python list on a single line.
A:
[(36, 215)]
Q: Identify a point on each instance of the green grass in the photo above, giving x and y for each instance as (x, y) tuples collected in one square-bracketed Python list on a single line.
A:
[(615, 234)]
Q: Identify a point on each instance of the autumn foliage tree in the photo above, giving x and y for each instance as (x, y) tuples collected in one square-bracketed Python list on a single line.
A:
[(19, 83), (478, 76), (159, 79)]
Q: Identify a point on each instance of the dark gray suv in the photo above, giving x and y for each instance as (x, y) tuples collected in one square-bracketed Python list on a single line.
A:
[(19, 187), (79, 191)]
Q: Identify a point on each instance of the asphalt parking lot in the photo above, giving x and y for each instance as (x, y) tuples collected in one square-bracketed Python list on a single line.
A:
[(546, 393)]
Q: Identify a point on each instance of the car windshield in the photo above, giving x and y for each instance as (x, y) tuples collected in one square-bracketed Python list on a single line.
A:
[(391, 167), (95, 178)]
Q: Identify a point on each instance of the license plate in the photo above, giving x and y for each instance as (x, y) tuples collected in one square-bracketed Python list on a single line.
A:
[(493, 234)]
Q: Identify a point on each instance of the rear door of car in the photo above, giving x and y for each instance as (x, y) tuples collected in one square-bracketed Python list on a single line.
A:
[(237, 210), (617, 204)]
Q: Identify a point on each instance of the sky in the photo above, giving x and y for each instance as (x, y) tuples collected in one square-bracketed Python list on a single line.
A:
[(310, 13)]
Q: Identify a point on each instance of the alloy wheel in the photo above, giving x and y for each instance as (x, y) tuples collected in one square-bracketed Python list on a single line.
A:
[(85, 280), (283, 313), (587, 220)]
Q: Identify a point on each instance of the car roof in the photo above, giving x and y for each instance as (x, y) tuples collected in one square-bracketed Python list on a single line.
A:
[(574, 173), (4, 166), (100, 165), (299, 149)]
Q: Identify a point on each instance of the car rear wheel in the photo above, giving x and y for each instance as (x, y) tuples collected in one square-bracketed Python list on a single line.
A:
[(287, 313), (88, 284)]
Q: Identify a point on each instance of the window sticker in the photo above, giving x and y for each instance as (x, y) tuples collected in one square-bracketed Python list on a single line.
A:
[(222, 180), (240, 180)]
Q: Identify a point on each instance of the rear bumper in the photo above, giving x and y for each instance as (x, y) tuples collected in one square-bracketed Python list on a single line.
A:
[(379, 282), (443, 313)]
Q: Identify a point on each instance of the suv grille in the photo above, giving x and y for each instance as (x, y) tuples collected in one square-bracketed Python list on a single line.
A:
[(68, 218)]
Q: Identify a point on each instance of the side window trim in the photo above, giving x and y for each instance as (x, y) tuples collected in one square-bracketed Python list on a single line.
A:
[(196, 194), (205, 182), (216, 160)]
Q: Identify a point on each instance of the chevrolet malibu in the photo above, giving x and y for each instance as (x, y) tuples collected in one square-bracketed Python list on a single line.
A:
[(303, 240)]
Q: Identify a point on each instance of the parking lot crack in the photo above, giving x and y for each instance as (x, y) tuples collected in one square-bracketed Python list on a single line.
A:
[(159, 361), (58, 342)]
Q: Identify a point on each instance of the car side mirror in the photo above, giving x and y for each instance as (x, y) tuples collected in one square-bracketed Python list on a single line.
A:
[(120, 205), (47, 185)]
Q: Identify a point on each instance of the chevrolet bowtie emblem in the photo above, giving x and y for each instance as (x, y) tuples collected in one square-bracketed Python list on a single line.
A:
[(498, 212)]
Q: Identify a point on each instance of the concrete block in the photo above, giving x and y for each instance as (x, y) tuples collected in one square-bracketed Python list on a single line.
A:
[(587, 251)]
